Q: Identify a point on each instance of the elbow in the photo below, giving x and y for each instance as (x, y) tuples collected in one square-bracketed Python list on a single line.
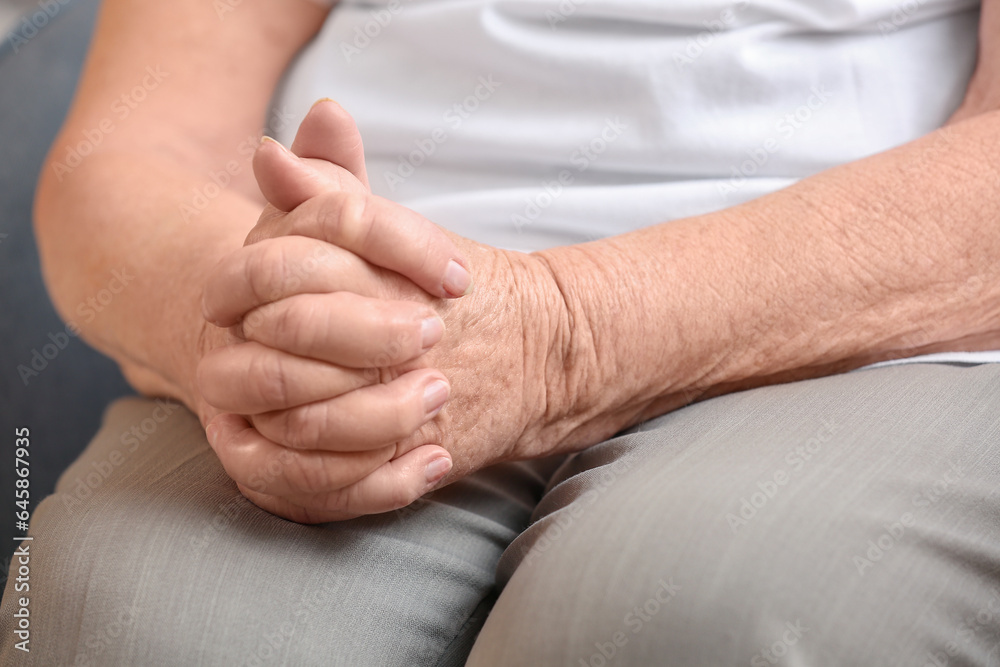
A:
[(48, 193), (59, 211)]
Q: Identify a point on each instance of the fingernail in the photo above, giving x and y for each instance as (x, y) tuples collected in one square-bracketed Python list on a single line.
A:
[(457, 281), (435, 396), (437, 469), (266, 139), (212, 432), (321, 100), (431, 331)]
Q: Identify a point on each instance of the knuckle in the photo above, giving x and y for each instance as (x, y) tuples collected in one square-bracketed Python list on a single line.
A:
[(347, 182), (401, 494), (266, 375), (267, 272), (337, 500), (267, 474), (399, 336), (410, 338), (299, 427), (347, 221), (399, 325), (352, 492), (290, 325), (426, 254), (311, 475), (353, 499), (328, 214), (266, 226), (406, 415)]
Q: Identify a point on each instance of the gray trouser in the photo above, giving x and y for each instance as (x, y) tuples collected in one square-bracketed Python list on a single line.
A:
[(850, 520)]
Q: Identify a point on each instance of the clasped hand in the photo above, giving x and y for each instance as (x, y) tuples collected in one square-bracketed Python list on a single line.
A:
[(357, 368)]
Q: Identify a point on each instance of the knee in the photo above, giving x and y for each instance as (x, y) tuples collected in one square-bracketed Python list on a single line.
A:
[(630, 580), (660, 573)]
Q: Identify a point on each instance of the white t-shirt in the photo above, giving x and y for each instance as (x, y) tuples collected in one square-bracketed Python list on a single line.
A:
[(526, 124)]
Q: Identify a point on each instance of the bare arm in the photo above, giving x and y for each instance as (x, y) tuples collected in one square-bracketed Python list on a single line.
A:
[(885, 257), (175, 92), (888, 257)]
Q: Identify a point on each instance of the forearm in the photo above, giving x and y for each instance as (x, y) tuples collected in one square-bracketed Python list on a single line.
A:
[(887, 257), (151, 175), (126, 262)]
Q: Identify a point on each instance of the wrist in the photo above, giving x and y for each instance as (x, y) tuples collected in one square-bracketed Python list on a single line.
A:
[(655, 320), (591, 390)]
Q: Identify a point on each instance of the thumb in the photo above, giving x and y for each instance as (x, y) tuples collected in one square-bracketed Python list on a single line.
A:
[(287, 180), (329, 133)]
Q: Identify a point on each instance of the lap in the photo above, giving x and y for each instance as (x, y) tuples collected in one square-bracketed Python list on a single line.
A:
[(148, 553), (847, 520)]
